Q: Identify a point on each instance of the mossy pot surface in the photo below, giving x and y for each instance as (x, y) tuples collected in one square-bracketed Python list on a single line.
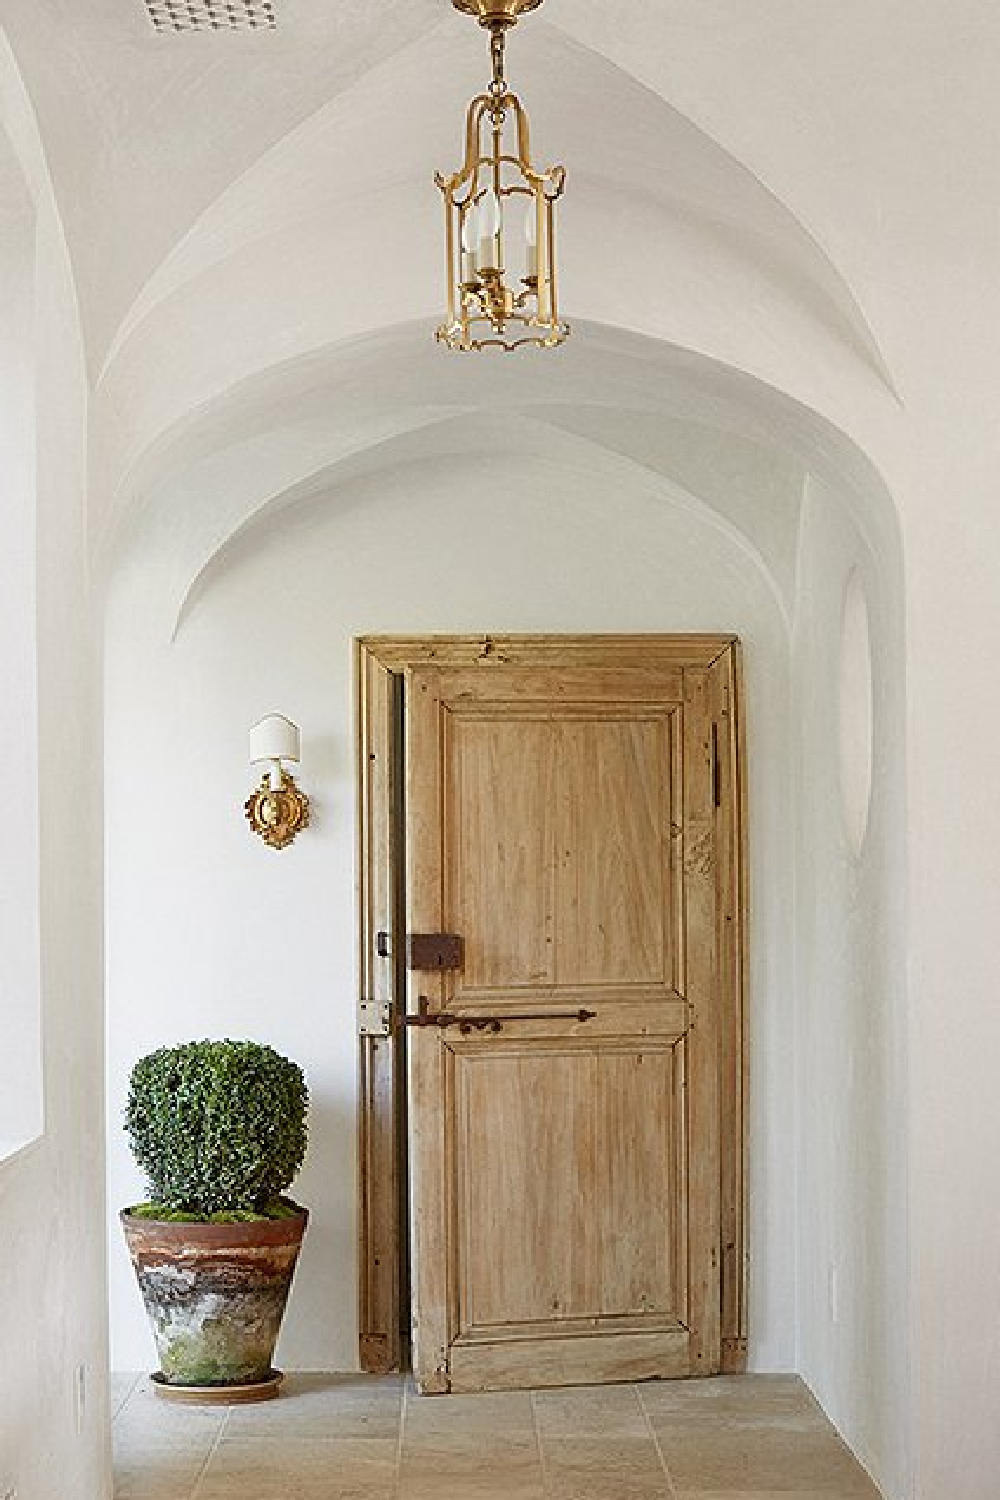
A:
[(215, 1294)]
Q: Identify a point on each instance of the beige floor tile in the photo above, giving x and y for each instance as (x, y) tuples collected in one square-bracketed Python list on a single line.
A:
[(747, 1398), (160, 1455), (498, 1485), (491, 1411), (470, 1448), (143, 1487), (302, 1469), (323, 1407), (608, 1411), (470, 1456), (604, 1468), (701, 1460), (338, 1438), (468, 1451), (146, 1413), (767, 1495), (165, 1472)]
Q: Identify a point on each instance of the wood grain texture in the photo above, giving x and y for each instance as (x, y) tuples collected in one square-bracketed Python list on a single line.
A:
[(378, 1173), (731, 906), (563, 1361), (431, 1231), (602, 746), (578, 1183), (634, 652), (613, 851), (567, 1184), (499, 864), (703, 1050)]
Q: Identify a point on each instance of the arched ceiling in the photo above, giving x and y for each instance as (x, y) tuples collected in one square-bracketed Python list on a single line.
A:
[(144, 129), (153, 137), (430, 456), (621, 411), (256, 242)]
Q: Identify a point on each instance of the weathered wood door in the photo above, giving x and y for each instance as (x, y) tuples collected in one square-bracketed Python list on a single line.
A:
[(573, 1082)]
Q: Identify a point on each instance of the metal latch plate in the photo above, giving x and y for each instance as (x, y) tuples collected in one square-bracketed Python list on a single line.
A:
[(434, 951), (374, 1018)]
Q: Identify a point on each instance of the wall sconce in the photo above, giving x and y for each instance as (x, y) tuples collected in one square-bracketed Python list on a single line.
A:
[(277, 809)]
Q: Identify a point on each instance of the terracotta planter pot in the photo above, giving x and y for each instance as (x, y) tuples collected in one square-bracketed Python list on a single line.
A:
[(215, 1295)]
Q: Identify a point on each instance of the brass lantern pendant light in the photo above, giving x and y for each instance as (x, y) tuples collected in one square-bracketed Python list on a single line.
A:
[(500, 216)]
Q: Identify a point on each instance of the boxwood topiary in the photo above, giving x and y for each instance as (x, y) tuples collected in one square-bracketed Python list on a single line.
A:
[(218, 1127)]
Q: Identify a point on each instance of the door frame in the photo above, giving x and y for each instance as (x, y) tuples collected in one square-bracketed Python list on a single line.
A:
[(381, 663)]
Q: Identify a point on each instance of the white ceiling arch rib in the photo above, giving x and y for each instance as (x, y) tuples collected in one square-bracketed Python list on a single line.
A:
[(471, 445), (736, 448)]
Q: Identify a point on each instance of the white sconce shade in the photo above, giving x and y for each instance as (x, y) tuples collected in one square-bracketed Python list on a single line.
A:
[(275, 738), (277, 810)]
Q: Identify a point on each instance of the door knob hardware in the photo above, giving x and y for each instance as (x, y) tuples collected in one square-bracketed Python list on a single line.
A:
[(445, 1020)]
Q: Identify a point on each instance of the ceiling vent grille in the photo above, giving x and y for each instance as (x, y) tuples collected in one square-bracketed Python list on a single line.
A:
[(211, 15)]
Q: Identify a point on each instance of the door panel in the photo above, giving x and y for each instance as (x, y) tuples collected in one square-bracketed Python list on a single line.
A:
[(613, 851), (498, 867), (565, 1156), (588, 1140)]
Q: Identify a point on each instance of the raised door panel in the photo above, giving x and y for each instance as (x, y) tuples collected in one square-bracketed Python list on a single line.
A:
[(558, 831), (568, 1188), (498, 856), (613, 877)]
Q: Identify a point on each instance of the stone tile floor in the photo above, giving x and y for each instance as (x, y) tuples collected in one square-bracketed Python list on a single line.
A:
[(339, 1437)]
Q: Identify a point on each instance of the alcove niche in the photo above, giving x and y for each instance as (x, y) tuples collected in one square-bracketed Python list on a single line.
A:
[(375, 489)]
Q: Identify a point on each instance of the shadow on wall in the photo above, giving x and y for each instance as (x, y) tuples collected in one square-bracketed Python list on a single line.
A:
[(331, 1239)]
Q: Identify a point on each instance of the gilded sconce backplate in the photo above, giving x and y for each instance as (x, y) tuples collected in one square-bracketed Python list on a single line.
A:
[(277, 815)]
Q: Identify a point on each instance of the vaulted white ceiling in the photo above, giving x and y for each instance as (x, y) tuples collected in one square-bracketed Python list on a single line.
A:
[(153, 137), (255, 212)]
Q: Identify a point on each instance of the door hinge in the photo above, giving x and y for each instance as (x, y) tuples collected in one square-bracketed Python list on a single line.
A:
[(375, 1018)]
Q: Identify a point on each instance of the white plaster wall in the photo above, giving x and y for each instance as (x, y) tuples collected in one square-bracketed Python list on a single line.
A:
[(20, 977), (52, 1299), (853, 1309), (892, 168), (211, 933)]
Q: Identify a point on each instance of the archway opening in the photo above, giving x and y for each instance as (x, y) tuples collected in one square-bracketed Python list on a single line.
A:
[(651, 490)]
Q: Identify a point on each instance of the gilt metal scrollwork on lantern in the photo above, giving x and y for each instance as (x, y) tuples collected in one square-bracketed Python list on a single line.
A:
[(488, 305)]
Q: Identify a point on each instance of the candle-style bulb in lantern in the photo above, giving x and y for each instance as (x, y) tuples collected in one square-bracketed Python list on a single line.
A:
[(531, 238), (470, 242), (490, 232)]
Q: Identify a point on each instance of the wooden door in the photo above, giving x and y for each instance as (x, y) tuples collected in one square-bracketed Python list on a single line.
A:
[(568, 1081)]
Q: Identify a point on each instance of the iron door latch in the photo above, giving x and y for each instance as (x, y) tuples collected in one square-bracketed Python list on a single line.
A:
[(426, 951)]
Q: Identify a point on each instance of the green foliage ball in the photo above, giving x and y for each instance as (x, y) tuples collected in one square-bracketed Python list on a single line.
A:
[(217, 1126)]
